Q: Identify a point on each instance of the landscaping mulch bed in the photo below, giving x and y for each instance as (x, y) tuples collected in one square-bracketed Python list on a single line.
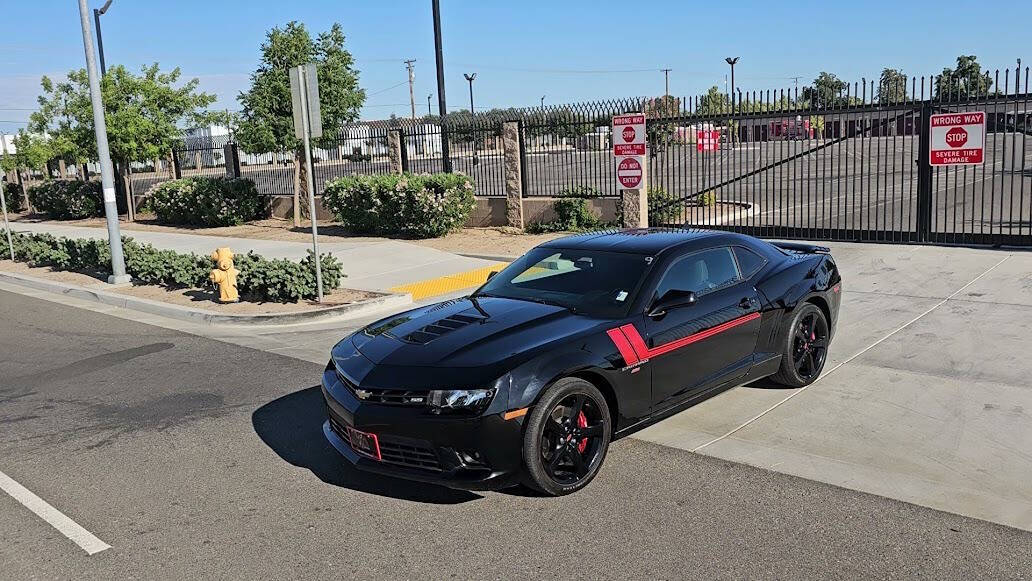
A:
[(195, 298)]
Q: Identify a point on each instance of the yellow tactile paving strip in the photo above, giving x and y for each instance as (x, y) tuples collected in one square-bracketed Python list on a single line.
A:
[(447, 284)]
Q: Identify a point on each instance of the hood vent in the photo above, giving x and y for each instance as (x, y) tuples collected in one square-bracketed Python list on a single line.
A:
[(446, 325)]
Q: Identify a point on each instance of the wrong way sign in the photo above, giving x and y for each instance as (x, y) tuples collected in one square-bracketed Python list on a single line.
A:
[(629, 173), (958, 138), (629, 134)]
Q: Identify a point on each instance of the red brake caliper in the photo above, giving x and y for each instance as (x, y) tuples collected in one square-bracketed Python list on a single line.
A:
[(582, 422)]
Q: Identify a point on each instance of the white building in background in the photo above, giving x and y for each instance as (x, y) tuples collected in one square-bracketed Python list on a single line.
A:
[(7, 143)]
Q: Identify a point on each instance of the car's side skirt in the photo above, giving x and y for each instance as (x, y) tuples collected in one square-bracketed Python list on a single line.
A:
[(763, 368)]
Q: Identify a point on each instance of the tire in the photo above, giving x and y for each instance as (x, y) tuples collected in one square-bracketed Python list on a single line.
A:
[(558, 462), (804, 347)]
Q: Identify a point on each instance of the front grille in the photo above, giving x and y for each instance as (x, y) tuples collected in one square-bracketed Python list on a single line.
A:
[(410, 397), (411, 454), (408, 453)]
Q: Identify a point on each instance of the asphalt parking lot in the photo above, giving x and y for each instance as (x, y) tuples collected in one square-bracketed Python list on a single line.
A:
[(192, 458)]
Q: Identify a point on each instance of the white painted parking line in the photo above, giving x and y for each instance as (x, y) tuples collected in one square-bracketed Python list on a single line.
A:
[(55, 518), (861, 352)]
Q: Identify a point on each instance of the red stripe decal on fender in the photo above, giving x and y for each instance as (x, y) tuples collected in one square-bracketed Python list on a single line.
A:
[(623, 346), (643, 352)]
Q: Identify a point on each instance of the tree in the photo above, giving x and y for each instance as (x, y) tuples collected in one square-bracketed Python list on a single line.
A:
[(966, 79), (661, 121), (143, 112), (32, 151), (714, 102), (827, 91), (266, 123), (892, 86)]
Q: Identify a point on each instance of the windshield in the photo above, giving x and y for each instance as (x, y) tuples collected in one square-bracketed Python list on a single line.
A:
[(590, 282)]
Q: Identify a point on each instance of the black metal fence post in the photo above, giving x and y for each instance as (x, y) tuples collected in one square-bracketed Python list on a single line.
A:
[(924, 175), (523, 159)]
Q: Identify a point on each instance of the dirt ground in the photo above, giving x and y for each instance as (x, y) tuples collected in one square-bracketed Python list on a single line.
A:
[(196, 298), (485, 241)]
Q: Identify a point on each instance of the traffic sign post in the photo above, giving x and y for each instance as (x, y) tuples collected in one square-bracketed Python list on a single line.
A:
[(629, 156), (957, 138), (304, 96)]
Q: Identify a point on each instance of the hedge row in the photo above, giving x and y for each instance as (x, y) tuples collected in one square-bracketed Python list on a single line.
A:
[(67, 199), (417, 206), (260, 279), (207, 201)]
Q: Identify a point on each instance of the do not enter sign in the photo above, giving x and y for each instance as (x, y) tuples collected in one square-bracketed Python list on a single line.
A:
[(628, 173), (957, 138)]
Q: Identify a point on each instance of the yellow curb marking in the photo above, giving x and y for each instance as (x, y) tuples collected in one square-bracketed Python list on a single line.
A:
[(450, 283)]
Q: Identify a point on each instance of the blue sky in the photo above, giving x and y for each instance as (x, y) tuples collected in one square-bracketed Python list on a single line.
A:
[(520, 50)]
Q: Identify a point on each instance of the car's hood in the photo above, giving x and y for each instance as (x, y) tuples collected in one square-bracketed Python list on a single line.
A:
[(468, 333)]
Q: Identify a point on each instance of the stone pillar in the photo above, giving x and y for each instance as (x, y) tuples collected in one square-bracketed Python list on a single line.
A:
[(197, 160), (394, 150), (635, 203), (513, 174), (62, 169)]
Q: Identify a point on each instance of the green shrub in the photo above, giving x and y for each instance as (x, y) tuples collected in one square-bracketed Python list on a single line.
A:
[(67, 199), (13, 197), (571, 215), (664, 208), (260, 278), (707, 199), (417, 206), (207, 201)]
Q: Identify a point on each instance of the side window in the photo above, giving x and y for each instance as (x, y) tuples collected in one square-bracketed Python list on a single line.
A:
[(700, 272), (748, 261)]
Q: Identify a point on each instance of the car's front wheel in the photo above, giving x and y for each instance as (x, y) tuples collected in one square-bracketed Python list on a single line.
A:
[(567, 437)]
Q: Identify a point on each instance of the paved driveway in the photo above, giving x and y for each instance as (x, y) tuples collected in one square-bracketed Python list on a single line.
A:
[(926, 396)]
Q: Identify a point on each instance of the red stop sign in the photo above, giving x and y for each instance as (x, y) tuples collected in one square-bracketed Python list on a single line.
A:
[(628, 134), (956, 137)]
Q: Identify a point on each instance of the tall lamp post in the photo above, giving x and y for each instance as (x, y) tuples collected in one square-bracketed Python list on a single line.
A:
[(428, 110), (442, 103), (543, 100), (107, 177), (731, 61), (100, 39), (473, 133)]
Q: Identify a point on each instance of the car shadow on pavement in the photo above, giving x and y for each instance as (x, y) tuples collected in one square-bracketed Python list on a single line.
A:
[(292, 427)]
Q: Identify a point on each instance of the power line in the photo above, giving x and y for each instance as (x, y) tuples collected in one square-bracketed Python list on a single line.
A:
[(387, 89)]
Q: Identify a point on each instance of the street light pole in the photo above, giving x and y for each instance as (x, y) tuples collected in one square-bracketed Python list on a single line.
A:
[(429, 111), (100, 39), (543, 100), (472, 112), (107, 178), (732, 61), (442, 103)]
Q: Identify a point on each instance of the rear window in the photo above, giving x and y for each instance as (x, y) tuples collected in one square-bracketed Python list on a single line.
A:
[(748, 261)]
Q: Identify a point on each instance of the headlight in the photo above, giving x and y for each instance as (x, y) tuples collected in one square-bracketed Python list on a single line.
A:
[(472, 400)]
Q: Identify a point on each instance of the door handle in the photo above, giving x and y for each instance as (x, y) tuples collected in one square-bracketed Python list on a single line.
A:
[(745, 303)]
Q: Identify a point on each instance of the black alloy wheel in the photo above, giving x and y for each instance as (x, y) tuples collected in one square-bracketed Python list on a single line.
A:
[(567, 437), (804, 348)]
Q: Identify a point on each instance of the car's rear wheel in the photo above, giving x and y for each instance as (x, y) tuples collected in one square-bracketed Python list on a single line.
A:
[(804, 348), (567, 437)]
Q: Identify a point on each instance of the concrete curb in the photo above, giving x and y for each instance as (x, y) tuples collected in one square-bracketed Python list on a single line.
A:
[(492, 257), (342, 312)]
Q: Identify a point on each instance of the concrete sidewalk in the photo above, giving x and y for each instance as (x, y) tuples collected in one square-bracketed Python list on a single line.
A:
[(375, 264)]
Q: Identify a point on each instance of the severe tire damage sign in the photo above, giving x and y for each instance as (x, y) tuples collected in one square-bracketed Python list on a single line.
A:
[(958, 138)]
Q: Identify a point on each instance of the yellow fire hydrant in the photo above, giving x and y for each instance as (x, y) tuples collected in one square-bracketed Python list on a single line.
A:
[(225, 275)]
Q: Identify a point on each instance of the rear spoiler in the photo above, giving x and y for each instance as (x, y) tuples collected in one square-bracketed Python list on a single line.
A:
[(802, 248)]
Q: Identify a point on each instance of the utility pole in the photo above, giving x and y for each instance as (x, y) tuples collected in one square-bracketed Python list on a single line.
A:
[(472, 112), (442, 103), (107, 178), (100, 39), (411, 90), (666, 76), (796, 79), (543, 100), (429, 111)]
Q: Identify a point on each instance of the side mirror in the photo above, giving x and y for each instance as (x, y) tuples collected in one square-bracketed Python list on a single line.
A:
[(491, 274), (672, 299)]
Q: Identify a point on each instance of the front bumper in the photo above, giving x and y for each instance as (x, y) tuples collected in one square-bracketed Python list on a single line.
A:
[(472, 453)]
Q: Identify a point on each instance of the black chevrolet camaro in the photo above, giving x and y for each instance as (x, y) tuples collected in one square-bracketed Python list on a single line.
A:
[(580, 341)]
